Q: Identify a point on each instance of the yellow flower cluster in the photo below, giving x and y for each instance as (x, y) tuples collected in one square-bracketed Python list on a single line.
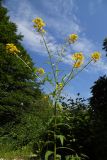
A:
[(39, 24), (78, 58), (59, 86), (96, 56), (45, 97), (40, 71), (72, 38), (10, 47), (78, 64)]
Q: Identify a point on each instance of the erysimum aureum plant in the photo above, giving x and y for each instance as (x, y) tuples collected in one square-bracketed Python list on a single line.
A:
[(58, 83)]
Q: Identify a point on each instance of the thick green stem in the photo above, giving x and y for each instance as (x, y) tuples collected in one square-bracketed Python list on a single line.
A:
[(54, 150), (55, 114)]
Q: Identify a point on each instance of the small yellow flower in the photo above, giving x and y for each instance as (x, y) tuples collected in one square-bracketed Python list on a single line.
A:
[(72, 38), (78, 56), (96, 56), (43, 31), (40, 71), (39, 24), (45, 97), (78, 64), (59, 86), (10, 47)]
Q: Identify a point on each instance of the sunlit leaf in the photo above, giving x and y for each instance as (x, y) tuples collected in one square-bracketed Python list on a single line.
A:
[(47, 154), (61, 137)]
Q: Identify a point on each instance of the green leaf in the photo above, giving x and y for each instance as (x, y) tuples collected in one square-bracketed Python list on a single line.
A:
[(84, 156), (34, 70), (63, 124), (66, 148), (72, 157), (47, 154), (61, 137), (58, 157)]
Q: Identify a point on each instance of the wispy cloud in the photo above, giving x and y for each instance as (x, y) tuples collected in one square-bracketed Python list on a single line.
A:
[(61, 21), (94, 6)]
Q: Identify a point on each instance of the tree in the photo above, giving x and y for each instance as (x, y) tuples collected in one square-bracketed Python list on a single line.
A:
[(23, 115), (98, 103), (105, 44), (17, 83)]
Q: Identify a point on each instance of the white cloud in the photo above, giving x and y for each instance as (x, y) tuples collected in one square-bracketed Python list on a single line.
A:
[(60, 18), (30, 38), (94, 6), (101, 65), (84, 45)]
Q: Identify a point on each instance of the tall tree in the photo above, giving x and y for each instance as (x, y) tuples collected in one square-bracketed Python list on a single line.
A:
[(105, 45), (98, 103), (18, 89)]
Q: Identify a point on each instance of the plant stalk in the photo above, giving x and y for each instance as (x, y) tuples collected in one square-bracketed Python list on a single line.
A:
[(55, 114), (49, 58)]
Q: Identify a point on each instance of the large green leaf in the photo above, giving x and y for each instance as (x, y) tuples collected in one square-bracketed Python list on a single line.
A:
[(61, 137), (47, 154)]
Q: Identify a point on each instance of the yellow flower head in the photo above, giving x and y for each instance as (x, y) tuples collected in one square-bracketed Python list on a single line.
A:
[(39, 24), (78, 56), (59, 86), (96, 56), (10, 47), (40, 71), (45, 97), (78, 64), (72, 38)]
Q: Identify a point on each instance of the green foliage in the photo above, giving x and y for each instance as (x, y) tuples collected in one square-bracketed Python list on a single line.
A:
[(26, 114), (98, 103), (17, 87), (73, 157), (98, 100), (105, 45), (48, 153), (24, 152), (61, 137), (73, 132), (23, 115)]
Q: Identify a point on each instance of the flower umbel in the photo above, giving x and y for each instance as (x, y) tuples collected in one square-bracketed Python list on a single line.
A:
[(39, 24), (78, 64), (72, 38), (96, 56), (78, 56), (10, 47)]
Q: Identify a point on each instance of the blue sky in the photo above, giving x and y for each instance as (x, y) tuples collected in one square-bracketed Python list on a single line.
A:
[(63, 17)]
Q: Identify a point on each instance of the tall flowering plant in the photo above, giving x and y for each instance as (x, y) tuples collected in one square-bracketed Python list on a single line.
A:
[(57, 82)]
